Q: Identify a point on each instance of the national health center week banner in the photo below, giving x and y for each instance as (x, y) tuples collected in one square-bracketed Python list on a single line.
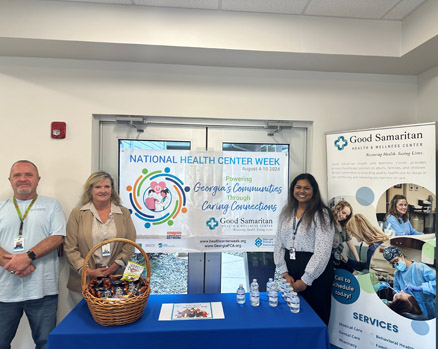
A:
[(366, 168), (198, 201)]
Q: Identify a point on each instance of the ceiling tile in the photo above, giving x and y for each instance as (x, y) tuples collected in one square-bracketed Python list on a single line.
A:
[(370, 9), (198, 4), (403, 9), (119, 2), (269, 6), (367, 9)]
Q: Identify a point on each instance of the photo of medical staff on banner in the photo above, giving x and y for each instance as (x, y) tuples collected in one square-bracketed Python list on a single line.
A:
[(381, 189), (204, 201)]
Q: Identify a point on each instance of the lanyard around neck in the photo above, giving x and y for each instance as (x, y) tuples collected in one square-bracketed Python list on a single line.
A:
[(296, 224), (295, 229), (22, 218)]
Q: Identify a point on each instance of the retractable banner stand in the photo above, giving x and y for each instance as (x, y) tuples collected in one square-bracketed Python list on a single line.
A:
[(374, 307), (204, 201)]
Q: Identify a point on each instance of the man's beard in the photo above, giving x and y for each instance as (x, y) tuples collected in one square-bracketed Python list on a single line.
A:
[(24, 190)]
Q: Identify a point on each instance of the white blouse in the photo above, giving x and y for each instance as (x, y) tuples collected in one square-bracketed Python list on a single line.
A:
[(316, 237), (103, 231)]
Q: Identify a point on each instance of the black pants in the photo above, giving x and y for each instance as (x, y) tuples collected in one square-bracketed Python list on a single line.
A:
[(319, 294)]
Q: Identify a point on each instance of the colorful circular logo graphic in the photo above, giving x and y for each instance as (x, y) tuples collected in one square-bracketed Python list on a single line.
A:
[(158, 197)]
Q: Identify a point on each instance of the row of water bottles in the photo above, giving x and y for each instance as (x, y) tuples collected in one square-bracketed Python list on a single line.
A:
[(254, 294), (290, 296), (286, 291)]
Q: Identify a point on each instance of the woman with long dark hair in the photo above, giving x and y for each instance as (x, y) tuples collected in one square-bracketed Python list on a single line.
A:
[(403, 304), (304, 243), (397, 217)]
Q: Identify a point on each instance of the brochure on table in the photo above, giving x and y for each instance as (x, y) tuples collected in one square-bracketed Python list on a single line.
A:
[(191, 311), (365, 167)]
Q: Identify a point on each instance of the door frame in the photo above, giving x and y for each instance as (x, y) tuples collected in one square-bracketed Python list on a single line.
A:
[(204, 268)]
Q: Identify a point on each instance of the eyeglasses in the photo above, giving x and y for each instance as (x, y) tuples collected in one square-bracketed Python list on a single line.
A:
[(394, 263)]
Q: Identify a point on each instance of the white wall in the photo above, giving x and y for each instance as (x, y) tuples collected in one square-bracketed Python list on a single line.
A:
[(428, 95), (419, 26), (428, 101), (36, 92), (144, 25)]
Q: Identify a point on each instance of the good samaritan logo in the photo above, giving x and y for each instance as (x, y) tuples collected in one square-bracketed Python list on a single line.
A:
[(341, 143), (212, 223), (158, 197)]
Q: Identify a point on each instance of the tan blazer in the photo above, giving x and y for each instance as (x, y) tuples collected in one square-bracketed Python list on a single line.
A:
[(78, 242)]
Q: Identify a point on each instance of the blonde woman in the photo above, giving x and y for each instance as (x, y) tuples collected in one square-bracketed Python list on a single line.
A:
[(342, 213), (99, 217), (363, 230)]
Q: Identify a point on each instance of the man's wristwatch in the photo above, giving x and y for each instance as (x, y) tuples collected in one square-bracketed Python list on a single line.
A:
[(31, 255)]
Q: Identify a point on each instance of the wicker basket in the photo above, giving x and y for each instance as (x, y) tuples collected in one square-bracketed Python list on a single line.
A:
[(121, 311)]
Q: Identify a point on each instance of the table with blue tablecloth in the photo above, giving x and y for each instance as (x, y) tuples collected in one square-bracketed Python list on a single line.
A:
[(243, 327)]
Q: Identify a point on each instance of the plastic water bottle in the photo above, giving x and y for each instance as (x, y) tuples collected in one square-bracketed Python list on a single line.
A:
[(283, 288), (294, 302), (269, 285), (286, 289), (288, 294), (273, 296), (255, 293), (240, 296)]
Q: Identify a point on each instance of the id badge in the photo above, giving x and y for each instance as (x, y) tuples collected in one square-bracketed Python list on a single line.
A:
[(19, 244), (292, 253), (106, 250)]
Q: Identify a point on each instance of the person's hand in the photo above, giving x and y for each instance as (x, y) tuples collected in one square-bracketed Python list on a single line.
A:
[(288, 278), (17, 262), (98, 272), (381, 286), (413, 288), (111, 269), (299, 286), (344, 259), (29, 270)]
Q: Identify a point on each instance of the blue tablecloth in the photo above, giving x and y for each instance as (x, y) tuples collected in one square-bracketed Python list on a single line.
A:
[(244, 327)]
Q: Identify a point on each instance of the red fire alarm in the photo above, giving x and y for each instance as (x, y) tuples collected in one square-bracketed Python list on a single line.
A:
[(57, 129)]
